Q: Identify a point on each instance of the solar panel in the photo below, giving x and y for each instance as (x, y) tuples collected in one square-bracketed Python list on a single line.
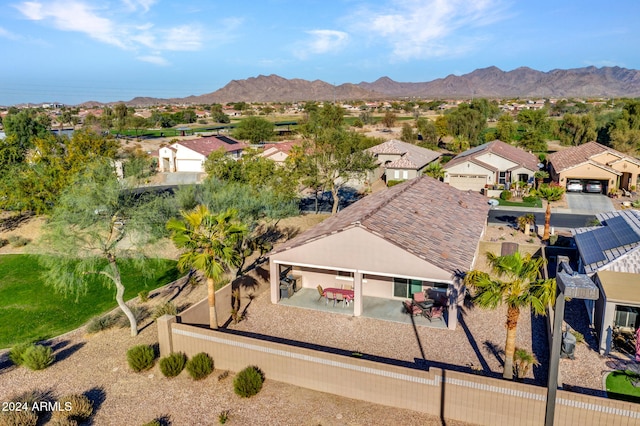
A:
[(621, 229), (589, 248), (605, 238), (227, 140)]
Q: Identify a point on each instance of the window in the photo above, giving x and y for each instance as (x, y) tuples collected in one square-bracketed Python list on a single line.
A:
[(396, 174), (344, 275), (405, 174), (502, 178), (403, 287)]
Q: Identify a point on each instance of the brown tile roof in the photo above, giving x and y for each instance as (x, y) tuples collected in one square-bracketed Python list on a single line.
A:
[(282, 146), (206, 146), (423, 216), (503, 149), (412, 156), (574, 156)]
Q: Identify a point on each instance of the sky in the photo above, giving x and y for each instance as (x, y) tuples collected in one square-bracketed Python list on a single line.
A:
[(72, 51)]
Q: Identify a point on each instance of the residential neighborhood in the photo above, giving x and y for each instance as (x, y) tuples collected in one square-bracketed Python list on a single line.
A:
[(421, 270)]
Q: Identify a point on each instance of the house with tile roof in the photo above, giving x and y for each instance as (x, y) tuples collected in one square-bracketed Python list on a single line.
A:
[(189, 155), (593, 161), (610, 254), (493, 163), (279, 151), (412, 237), (399, 160)]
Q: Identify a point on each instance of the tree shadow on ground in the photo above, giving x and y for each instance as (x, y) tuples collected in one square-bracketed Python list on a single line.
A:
[(97, 396), (540, 348), (6, 364), (494, 349), (15, 221), (68, 351)]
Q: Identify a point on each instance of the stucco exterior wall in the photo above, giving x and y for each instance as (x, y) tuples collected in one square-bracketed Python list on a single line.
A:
[(497, 161), (469, 168)]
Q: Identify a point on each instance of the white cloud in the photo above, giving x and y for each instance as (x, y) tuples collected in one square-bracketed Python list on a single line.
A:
[(133, 5), (321, 42), (74, 16), (8, 35), (154, 59), (126, 32), (422, 29)]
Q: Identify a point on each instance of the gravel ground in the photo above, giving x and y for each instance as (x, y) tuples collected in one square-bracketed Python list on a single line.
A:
[(96, 365)]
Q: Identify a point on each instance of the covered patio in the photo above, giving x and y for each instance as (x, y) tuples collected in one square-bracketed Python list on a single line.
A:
[(373, 307)]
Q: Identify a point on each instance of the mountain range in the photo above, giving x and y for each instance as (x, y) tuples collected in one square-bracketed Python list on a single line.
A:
[(491, 82)]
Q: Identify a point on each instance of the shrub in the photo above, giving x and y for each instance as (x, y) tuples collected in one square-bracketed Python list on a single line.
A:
[(75, 407), (153, 422), (19, 418), (505, 195), (530, 199), (139, 312), (141, 357), (3, 242), (101, 323), (391, 183), (200, 366), (173, 364), (18, 241), (37, 357), (167, 308), (223, 416), (16, 352), (143, 295), (248, 382)]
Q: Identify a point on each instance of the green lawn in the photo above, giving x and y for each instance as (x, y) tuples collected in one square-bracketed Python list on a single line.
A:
[(536, 203), (619, 387), (30, 310)]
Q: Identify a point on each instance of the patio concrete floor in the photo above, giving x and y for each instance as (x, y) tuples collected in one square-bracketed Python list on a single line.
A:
[(373, 307)]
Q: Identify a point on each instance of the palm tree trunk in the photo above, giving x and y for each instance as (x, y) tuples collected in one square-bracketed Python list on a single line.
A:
[(513, 313), (213, 317), (120, 296), (547, 222), (336, 200)]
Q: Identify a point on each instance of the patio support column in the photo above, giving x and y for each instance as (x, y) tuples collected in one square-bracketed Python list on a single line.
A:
[(274, 278), (357, 293)]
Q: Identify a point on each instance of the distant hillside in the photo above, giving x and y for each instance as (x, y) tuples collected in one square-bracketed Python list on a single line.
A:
[(492, 82)]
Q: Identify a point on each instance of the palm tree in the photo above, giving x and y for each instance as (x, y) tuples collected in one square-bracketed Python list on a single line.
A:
[(519, 284), (550, 192), (435, 170), (525, 222), (540, 176), (210, 242)]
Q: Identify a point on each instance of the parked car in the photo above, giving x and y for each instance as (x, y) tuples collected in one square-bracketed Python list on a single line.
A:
[(593, 186), (574, 185)]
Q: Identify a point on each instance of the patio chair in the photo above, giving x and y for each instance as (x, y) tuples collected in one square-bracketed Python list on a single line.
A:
[(421, 300), (339, 297), (320, 292), (435, 313), (347, 286), (330, 296), (411, 308)]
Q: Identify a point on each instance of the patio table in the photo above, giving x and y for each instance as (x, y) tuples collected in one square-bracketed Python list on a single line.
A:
[(348, 294)]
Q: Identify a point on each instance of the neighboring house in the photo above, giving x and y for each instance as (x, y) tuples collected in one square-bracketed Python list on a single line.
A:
[(493, 163), (399, 160), (610, 254), (278, 152), (593, 161), (190, 155), (415, 236)]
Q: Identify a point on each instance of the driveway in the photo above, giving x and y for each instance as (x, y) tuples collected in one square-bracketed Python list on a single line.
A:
[(589, 203)]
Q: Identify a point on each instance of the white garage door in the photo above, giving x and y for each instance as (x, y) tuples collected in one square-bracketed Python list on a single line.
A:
[(466, 182), (189, 165)]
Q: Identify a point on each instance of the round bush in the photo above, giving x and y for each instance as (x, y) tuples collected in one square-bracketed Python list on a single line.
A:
[(37, 357), (200, 366), (173, 364), (18, 418), (101, 323), (167, 308), (141, 357), (16, 352), (248, 382), (505, 195), (75, 407)]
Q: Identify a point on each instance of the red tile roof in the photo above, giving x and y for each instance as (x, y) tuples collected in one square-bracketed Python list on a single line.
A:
[(411, 156), (423, 216), (282, 146), (206, 146)]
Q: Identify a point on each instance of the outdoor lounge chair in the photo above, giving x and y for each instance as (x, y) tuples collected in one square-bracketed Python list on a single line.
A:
[(320, 292), (411, 308), (435, 313)]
